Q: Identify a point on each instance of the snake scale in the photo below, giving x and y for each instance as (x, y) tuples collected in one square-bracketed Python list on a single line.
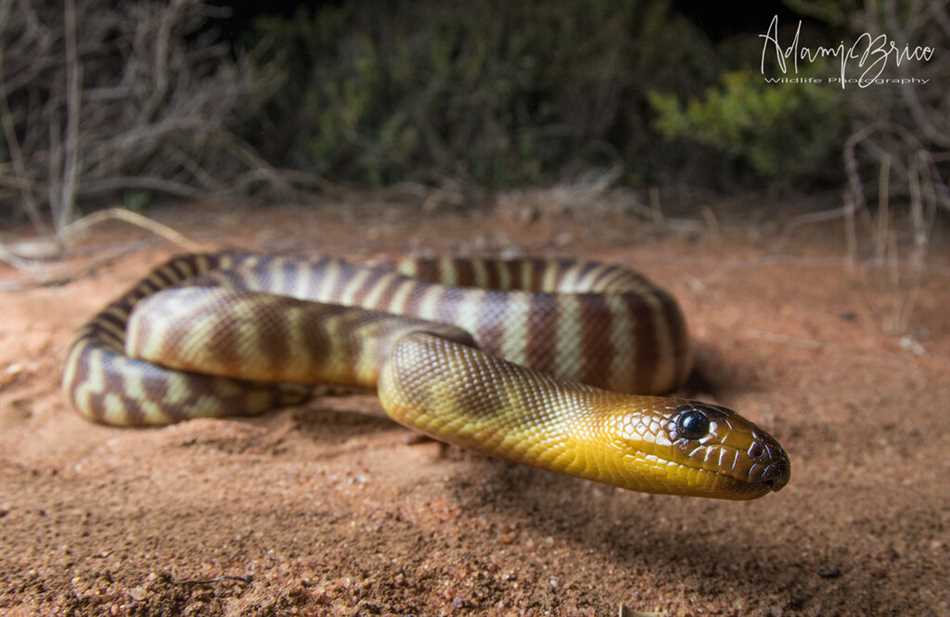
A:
[(552, 363)]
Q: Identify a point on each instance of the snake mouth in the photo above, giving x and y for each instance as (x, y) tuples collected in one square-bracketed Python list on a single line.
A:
[(773, 479), (737, 474), (721, 485)]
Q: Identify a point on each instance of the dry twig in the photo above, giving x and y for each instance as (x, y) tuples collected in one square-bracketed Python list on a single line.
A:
[(99, 98), (127, 216)]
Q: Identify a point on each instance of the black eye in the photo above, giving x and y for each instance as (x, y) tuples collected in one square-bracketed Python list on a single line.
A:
[(692, 424)]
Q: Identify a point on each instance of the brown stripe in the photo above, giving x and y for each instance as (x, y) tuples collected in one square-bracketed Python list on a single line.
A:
[(106, 339), (347, 274), (166, 276), (538, 270), (348, 342), (82, 372), (389, 292), (401, 289), (134, 414), (290, 271), (112, 320), (488, 395), (596, 347), (600, 282), (114, 383), (426, 270), (586, 269), (97, 406), (644, 339), (273, 337), (414, 301), (145, 288), (493, 272), (183, 266), (237, 279), (316, 343), (464, 272), (261, 272), (370, 283), (169, 343), (540, 343), (200, 263), (316, 272), (514, 274), (154, 381)]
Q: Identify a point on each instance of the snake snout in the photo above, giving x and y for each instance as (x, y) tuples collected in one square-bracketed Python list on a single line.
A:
[(776, 475), (771, 459)]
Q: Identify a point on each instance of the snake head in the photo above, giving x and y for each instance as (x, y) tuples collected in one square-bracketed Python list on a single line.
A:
[(695, 448)]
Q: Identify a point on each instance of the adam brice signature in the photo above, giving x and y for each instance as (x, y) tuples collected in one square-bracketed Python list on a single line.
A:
[(873, 53)]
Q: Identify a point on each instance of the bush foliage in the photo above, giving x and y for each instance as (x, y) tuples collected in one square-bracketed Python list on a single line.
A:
[(488, 93), (494, 92), (780, 131), (101, 99), (502, 94)]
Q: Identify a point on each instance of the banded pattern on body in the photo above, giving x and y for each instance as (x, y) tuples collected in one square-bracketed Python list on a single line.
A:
[(526, 359), (601, 325)]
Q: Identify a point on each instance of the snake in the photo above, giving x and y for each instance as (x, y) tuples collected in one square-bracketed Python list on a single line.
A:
[(562, 364)]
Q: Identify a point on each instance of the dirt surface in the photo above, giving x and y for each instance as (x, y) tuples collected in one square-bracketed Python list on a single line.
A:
[(316, 511)]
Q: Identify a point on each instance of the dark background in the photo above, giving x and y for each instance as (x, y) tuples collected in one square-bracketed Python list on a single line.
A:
[(715, 20)]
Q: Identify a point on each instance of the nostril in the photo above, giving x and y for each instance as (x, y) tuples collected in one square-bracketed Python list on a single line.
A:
[(756, 450)]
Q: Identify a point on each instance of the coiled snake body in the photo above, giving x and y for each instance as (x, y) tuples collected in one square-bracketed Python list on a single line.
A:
[(529, 360)]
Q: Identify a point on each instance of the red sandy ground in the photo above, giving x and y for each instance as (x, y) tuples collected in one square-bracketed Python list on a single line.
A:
[(313, 511)]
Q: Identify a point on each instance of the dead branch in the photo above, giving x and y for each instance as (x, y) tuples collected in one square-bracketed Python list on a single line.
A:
[(132, 218), (98, 97), (67, 199), (44, 278), (903, 137)]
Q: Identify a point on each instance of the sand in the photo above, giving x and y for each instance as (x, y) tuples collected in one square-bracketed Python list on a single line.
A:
[(316, 511)]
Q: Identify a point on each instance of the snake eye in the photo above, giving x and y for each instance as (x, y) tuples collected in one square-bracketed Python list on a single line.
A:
[(692, 424)]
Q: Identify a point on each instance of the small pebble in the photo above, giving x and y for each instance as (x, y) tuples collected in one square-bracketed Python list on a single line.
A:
[(137, 593), (829, 572)]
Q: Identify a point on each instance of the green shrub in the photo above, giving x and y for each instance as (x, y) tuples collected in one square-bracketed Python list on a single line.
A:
[(495, 92), (781, 131)]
